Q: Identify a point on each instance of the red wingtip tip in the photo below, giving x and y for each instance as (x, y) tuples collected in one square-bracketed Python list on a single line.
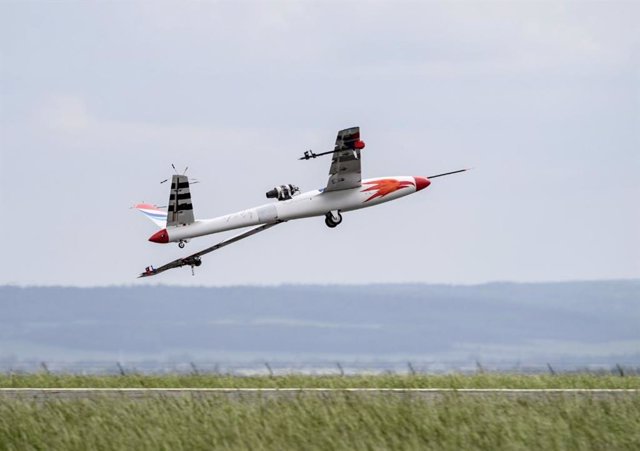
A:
[(146, 206), (160, 237), (421, 183)]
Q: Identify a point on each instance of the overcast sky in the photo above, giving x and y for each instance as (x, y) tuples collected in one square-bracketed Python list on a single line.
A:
[(542, 99)]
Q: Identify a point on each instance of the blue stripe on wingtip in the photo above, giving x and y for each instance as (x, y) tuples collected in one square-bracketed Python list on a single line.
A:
[(156, 215)]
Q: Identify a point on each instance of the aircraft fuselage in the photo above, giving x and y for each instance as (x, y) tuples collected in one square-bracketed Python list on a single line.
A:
[(304, 205)]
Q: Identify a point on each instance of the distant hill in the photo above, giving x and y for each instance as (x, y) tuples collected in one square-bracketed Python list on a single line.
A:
[(577, 321)]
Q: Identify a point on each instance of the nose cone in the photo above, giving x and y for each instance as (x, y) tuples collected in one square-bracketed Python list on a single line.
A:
[(160, 237), (421, 183)]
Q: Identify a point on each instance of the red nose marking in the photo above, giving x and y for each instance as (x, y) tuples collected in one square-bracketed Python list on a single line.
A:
[(160, 237), (359, 144), (421, 182)]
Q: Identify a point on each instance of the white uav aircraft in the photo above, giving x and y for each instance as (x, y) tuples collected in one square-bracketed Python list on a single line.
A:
[(345, 191)]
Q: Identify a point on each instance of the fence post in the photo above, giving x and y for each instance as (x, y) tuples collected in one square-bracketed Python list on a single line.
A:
[(551, 370)]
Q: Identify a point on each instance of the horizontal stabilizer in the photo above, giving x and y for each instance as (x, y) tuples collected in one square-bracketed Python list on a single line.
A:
[(155, 214)]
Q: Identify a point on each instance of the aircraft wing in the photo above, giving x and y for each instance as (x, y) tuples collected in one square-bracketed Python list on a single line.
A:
[(194, 259), (345, 171)]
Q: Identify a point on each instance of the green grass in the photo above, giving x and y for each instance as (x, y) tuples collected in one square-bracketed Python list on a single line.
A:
[(339, 420), (486, 380), (311, 422)]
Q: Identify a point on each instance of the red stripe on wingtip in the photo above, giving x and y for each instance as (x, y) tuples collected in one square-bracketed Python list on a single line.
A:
[(146, 207)]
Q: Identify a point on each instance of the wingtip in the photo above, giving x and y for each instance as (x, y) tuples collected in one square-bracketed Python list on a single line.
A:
[(146, 206)]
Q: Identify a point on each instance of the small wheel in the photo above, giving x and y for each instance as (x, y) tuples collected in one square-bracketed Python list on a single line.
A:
[(181, 244), (330, 221)]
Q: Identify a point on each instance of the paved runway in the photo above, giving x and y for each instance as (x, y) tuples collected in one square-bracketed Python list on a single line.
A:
[(243, 393)]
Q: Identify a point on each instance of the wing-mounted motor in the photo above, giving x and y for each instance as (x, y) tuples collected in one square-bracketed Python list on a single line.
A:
[(352, 142), (283, 192)]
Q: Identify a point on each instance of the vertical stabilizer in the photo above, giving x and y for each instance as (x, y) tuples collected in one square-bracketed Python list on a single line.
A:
[(180, 210)]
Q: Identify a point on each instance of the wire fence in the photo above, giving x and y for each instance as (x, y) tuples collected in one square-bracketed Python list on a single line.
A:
[(335, 368)]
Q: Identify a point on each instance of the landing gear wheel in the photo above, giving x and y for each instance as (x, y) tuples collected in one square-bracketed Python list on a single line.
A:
[(332, 221), (181, 244)]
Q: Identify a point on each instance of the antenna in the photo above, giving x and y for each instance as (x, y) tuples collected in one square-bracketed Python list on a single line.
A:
[(176, 171), (448, 173)]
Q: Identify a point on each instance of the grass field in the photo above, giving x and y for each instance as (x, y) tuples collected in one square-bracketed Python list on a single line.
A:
[(486, 380), (339, 420)]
